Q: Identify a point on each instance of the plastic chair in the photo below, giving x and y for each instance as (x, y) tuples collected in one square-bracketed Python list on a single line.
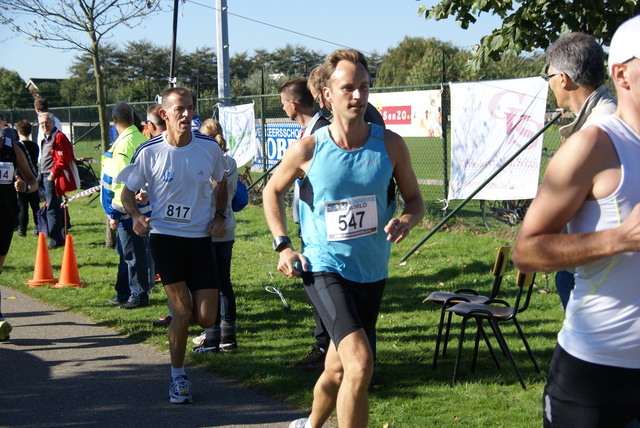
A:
[(495, 314), (448, 299)]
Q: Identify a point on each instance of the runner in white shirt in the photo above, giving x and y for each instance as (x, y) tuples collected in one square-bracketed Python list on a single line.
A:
[(180, 169)]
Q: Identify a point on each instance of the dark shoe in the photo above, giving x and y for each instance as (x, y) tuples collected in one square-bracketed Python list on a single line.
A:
[(205, 348), (313, 361), (22, 233), (115, 301), (162, 322), (228, 342), (132, 305), (53, 246), (36, 233)]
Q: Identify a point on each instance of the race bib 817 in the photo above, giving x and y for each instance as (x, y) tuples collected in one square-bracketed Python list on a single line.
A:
[(177, 213)]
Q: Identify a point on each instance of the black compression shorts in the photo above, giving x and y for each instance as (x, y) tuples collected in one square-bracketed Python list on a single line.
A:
[(180, 259), (344, 306), (586, 395)]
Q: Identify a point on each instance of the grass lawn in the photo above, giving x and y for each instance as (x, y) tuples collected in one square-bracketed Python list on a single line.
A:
[(409, 393)]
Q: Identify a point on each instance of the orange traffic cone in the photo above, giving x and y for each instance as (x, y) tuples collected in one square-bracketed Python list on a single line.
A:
[(42, 273), (69, 276)]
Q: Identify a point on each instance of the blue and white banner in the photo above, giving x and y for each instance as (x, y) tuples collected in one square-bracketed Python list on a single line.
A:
[(238, 125), (279, 135), (490, 121)]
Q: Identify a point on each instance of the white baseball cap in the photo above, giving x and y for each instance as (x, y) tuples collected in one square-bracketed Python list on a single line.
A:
[(624, 44)]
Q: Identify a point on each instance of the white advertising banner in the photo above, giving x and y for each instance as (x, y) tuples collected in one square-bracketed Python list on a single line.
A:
[(410, 114), (239, 128), (490, 121)]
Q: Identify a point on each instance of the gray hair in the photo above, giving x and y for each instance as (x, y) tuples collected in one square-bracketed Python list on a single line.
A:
[(580, 57), (48, 115), (123, 113)]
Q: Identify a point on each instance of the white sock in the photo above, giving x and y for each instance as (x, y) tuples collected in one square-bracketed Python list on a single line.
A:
[(177, 372)]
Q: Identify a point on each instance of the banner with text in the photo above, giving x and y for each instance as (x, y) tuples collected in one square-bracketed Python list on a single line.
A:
[(490, 121), (239, 129), (410, 114), (279, 137)]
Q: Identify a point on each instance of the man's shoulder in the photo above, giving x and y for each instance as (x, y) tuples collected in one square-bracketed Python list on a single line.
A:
[(61, 136)]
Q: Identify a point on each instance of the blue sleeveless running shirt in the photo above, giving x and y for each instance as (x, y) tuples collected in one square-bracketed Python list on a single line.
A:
[(346, 200)]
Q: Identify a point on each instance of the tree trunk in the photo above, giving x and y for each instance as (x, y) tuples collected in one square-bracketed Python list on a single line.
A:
[(110, 235), (100, 92), (110, 240)]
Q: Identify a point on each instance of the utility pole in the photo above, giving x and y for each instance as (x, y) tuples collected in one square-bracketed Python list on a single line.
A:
[(222, 47), (174, 36)]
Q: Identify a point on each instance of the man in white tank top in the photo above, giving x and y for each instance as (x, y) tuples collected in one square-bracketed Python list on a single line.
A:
[(591, 184)]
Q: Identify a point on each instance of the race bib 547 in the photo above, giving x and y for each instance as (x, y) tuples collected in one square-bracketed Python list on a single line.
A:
[(351, 218)]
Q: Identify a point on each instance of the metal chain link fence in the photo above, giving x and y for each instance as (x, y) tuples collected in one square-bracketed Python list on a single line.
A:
[(430, 155)]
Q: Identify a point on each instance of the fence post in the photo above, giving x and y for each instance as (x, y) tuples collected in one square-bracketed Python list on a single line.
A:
[(263, 123), (445, 101), (70, 125)]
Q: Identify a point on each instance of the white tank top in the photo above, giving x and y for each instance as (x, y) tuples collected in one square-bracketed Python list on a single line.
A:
[(602, 323)]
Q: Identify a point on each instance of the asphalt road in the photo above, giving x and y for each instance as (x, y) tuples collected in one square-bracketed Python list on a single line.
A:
[(59, 369)]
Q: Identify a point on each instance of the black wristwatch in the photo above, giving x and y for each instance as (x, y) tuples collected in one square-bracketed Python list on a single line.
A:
[(222, 213), (279, 242)]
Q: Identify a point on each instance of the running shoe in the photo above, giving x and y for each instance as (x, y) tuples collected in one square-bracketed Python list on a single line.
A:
[(299, 423), (5, 329), (205, 348), (198, 339), (179, 391), (313, 361), (228, 342)]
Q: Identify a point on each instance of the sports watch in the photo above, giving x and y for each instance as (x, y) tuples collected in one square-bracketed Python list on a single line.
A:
[(279, 242)]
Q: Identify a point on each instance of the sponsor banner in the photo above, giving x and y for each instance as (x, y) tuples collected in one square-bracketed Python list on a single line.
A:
[(279, 138), (490, 121), (238, 126), (410, 114)]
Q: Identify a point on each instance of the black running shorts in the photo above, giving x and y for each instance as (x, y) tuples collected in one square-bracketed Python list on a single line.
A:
[(586, 395), (344, 306), (180, 259)]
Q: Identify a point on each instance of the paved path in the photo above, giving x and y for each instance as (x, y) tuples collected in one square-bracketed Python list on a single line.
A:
[(60, 370)]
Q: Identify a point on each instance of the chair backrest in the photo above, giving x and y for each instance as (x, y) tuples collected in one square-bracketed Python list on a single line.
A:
[(499, 266), (524, 281)]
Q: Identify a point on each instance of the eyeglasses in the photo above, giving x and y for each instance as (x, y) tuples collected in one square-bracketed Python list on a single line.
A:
[(549, 76)]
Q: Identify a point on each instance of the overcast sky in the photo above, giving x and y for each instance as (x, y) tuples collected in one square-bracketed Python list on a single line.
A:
[(372, 25)]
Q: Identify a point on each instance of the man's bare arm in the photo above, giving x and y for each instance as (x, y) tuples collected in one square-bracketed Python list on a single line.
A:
[(398, 228), (141, 223), (585, 168), (29, 178), (292, 166), (217, 227)]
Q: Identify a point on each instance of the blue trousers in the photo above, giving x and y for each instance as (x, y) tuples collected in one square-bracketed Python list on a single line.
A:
[(565, 282), (222, 252), (136, 273), (55, 216)]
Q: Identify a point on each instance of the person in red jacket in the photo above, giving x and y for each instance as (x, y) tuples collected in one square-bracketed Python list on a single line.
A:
[(58, 173)]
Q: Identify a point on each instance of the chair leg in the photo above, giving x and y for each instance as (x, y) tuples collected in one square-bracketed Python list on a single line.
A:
[(491, 351), (505, 348), (446, 335), (526, 345), (439, 338), (479, 332), (455, 368)]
